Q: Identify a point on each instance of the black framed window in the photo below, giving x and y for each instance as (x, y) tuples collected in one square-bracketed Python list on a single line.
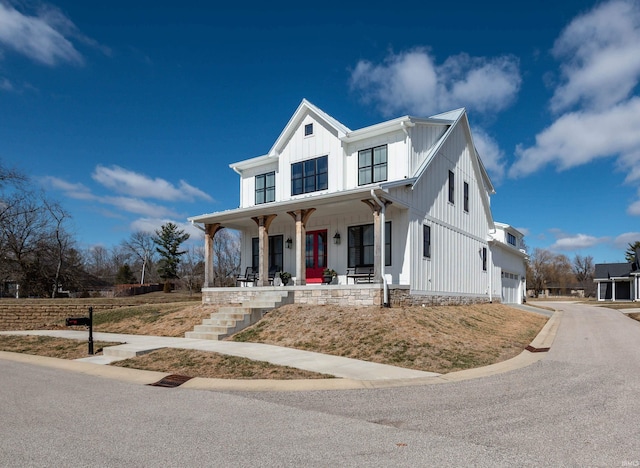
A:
[(275, 252), (466, 197), (426, 241), (452, 183), (484, 259), (361, 245), (309, 176), (372, 165), (265, 188), (511, 239), (308, 129)]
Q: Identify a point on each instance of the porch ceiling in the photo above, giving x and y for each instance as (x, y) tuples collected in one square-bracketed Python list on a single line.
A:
[(330, 204)]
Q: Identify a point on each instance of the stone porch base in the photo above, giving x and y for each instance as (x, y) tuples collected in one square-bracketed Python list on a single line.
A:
[(344, 295)]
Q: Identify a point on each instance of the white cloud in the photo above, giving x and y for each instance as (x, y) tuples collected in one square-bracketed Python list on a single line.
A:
[(600, 68), (137, 206), (77, 191), (412, 82), (40, 37), (139, 185), (575, 242), (600, 51), (490, 153), (578, 138), (151, 224), (6, 85), (623, 240)]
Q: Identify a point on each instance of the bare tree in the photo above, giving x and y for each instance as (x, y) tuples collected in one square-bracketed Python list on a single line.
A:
[(141, 246), (192, 268), (226, 261), (584, 271)]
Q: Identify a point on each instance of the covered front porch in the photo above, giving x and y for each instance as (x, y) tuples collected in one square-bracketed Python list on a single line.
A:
[(308, 235)]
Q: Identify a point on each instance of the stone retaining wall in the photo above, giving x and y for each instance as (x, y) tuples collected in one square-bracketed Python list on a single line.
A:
[(23, 314), (401, 296)]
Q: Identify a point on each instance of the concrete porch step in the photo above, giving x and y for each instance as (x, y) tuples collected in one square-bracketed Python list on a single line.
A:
[(205, 335), (232, 319)]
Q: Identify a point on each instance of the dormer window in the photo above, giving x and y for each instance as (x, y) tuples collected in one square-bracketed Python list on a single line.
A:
[(308, 129), (511, 239)]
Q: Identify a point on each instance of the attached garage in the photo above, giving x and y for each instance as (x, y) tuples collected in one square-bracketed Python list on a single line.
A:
[(510, 288)]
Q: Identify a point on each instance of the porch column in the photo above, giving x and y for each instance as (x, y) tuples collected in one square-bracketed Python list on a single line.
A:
[(301, 217), (263, 223), (210, 231), (613, 290), (378, 238)]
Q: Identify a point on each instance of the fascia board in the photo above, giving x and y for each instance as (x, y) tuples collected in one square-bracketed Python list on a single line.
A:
[(253, 162), (280, 207)]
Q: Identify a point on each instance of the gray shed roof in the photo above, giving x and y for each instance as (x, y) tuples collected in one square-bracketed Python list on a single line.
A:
[(614, 270)]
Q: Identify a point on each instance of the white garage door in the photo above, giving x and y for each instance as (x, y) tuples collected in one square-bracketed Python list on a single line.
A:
[(510, 288)]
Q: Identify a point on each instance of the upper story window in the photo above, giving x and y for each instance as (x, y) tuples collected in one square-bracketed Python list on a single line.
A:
[(308, 129), (265, 188), (372, 165), (452, 182), (309, 176), (511, 239), (466, 197)]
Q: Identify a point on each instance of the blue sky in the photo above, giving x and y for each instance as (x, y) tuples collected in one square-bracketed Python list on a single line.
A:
[(129, 113)]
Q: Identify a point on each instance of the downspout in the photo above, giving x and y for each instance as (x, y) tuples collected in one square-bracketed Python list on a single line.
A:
[(490, 261), (385, 288)]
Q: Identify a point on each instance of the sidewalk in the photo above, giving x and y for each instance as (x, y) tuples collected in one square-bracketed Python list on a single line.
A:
[(136, 345)]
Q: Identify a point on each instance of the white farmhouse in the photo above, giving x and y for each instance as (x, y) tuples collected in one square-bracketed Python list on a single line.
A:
[(400, 210)]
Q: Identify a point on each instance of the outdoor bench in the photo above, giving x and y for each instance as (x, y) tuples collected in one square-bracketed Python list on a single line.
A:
[(360, 274)]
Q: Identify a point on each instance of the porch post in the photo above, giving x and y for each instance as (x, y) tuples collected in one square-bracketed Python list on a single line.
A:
[(210, 231), (263, 222), (378, 210), (301, 217)]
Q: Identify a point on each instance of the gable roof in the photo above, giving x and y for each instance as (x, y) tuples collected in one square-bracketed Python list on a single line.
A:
[(305, 108), (456, 118), (613, 270)]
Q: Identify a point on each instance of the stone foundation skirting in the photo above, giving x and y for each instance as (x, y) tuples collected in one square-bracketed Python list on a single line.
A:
[(345, 295), (402, 296)]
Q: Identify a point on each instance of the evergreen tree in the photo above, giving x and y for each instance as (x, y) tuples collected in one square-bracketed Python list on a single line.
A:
[(630, 254), (168, 240), (125, 275)]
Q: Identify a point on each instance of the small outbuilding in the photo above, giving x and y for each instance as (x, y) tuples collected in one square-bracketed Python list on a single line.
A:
[(618, 281)]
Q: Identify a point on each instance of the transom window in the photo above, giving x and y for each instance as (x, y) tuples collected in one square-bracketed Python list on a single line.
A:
[(361, 245), (309, 176), (265, 188), (372, 165)]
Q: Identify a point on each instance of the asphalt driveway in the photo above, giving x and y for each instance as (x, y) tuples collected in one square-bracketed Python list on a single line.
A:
[(575, 407)]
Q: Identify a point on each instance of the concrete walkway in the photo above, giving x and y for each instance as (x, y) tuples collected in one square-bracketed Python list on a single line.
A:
[(136, 345)]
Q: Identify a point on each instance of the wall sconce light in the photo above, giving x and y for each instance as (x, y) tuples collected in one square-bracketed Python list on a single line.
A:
[(288, 242), (336, 238)]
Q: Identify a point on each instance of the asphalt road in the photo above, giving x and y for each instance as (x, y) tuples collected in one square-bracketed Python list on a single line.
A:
[(576, 407)]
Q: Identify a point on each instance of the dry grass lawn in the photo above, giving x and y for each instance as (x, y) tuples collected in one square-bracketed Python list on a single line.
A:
[(61, 348), (436, 339)]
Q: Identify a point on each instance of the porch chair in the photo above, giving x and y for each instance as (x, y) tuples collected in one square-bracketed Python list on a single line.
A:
[(250, 276)]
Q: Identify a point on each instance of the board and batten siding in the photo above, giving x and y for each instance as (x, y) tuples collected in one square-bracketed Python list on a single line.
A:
[(423, 137), (457, 237)]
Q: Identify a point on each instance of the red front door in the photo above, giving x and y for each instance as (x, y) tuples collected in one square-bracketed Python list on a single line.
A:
[(315, 255)]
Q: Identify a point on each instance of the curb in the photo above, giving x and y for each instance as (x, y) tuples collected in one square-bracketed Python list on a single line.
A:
[(532, 354)]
